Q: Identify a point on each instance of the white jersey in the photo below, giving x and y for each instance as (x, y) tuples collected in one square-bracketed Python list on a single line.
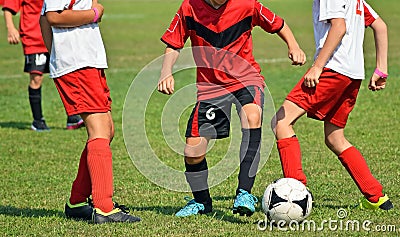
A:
[(77, 47), (348, 58)]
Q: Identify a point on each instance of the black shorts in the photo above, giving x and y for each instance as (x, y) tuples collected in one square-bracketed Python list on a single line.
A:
[(37, 63), (211, 118)]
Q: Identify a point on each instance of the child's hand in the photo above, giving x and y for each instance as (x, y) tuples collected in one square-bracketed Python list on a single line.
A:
[(13, 36), (297, 56), (311, 78), (376, 83), (166, 85)]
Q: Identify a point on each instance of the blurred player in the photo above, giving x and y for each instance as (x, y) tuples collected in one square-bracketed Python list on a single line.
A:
[(78, 60), (329, 89), (36, 56), (226, 74)]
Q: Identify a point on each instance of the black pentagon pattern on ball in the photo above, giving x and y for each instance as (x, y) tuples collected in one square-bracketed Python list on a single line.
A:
[(274, 199), (303, 204)]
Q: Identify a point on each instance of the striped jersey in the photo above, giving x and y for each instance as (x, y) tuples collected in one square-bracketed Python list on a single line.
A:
[(221, 42)]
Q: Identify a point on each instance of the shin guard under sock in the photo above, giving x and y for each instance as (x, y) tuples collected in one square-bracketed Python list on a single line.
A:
[(99, 160), (358, 169), (249, 158), (290, 156), (82, 186), (196, 176), (35, 101)]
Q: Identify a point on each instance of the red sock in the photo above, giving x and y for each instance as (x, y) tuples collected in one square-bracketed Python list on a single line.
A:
[(355, 164), (100, 167), (82, 186), (290, 155)]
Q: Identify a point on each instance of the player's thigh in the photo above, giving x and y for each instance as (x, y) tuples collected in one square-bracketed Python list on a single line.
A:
[(249, 103), (98, 125)]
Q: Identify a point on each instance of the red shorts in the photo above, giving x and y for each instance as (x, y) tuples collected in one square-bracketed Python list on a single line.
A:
[(84, 91), (331, 100)]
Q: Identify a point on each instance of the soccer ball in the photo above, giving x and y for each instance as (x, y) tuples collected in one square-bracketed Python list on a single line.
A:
[(286, 200)]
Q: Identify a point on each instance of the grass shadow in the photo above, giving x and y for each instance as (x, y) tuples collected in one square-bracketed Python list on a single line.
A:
[(164, 210), (27, 126), (171, 210), (29, 212), (18, 125)]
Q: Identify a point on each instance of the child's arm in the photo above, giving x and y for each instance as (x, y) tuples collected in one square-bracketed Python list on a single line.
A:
[(166, 83), (378, 82), (12, 32), (47, 33), (335, 36), (74, 18), (297, 55)]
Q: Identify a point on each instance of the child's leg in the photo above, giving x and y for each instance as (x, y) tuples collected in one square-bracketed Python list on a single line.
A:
[(99, 158), (287, 142), (251, 117), (353, 161), (35, 95), (197, 170), (290, 156), (82, 186)]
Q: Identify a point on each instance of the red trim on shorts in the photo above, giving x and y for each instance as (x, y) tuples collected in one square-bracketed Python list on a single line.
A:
[(257, 96), (36, 72), (195, 122)]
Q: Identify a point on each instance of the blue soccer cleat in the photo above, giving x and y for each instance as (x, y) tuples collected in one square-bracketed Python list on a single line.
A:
[(191, 208), (244, 203)]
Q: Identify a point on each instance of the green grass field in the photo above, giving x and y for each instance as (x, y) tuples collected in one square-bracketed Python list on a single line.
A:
[(37, 169)]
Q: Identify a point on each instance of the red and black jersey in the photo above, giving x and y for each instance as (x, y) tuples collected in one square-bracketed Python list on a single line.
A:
[(29, 28), (222, 42)]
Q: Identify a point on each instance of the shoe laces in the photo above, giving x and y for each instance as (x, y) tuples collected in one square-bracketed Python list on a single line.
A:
[(245, 197), (123, 208)]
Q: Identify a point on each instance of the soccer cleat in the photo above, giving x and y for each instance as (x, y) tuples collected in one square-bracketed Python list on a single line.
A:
[(74, 122), (191, 208), (383, 203), (39, 126), (244, 203), (120, 213), (80, 211)]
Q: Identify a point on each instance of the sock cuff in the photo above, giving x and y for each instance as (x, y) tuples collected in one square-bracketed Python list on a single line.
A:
[(251, 134), (34, 91), (197, 167), (285, 142), (99, 145), (98, 140), (349, 152)]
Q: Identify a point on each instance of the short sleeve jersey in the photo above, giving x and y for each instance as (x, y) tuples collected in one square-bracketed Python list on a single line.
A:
[(221, 42), (76, 47), (348, 58), (29, 28)]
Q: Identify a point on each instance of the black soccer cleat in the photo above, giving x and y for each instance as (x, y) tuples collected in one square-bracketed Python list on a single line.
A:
[(80, 211), (383, 203), (120, 213), (74, 122), (39, 126)]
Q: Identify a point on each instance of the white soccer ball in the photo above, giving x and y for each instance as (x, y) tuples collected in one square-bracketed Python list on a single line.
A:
[(286, 200)]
